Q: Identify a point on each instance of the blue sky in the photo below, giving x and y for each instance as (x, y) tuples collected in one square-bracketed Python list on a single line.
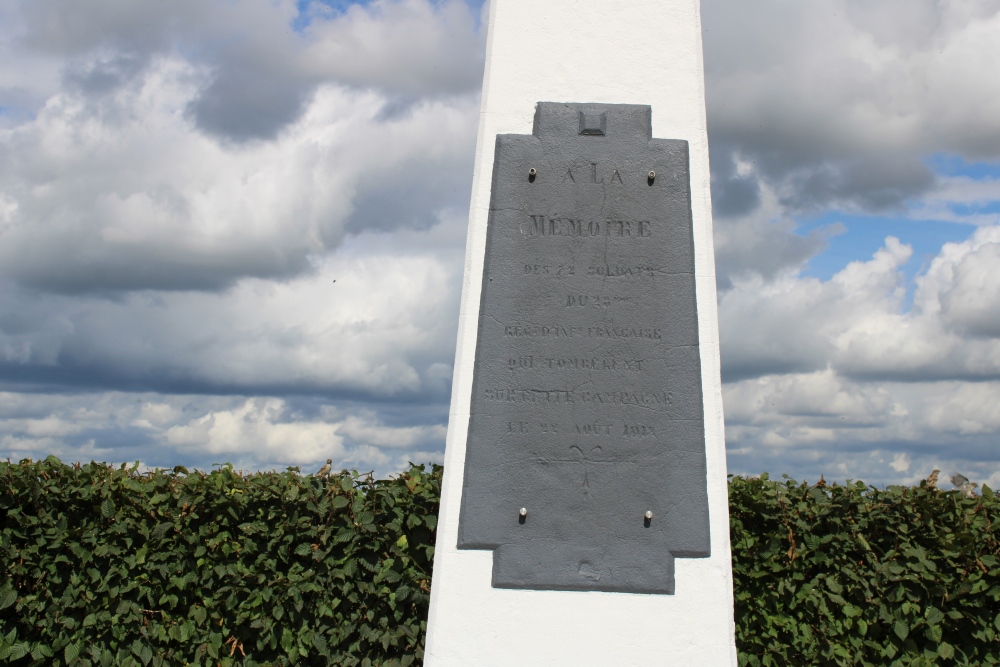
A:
[(234, 231), (857, 235)]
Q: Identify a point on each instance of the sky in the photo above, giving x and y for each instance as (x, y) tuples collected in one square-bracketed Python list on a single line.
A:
[(234, 231)]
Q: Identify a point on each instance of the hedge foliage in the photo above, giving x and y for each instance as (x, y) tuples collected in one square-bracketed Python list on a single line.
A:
[(110, 566), (855, 575)]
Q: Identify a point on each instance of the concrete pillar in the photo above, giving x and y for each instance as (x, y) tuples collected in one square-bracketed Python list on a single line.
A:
[(618, 52)]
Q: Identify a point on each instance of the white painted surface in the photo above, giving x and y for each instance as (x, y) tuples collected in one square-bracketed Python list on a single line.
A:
[(614, 51)]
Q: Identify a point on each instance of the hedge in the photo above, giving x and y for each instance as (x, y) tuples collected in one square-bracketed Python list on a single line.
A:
[(856, 575), (111, 566)]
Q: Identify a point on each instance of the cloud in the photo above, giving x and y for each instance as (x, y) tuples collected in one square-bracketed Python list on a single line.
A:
[(808, 423), (763, 242), (127, 195), (255, 426), (837, 103), (410, 47), (378, 325), (251, 432), (963, 285), (857, 322), (259, 71)]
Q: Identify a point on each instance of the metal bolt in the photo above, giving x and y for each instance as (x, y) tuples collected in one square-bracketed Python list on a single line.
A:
[(648, 515), (651, 175), (524, 511), (532, 172)]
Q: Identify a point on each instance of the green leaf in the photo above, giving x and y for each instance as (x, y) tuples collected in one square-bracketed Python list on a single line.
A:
[(946, 651), (107, 508), (71, 653), (161, 529), (287, 640), (7, 597), (199, 614), (901, 629), (19, 650)]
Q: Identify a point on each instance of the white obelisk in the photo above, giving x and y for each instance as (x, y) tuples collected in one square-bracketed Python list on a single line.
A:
[(615, 51)]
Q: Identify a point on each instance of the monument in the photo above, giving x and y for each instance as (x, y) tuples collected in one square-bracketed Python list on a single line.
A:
[(584, 517)]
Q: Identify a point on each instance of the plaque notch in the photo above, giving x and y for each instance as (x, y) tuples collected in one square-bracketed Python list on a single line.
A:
[(593, 123)]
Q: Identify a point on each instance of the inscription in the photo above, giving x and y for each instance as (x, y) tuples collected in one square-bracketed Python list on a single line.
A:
[(593, 301), (547, 270), (555, 396), (543, 331), (607, 271), (575, 363), (558, 331), (543, 226), (639, 431), (623, 332), (595, 428), (593, 175), (603, 271)]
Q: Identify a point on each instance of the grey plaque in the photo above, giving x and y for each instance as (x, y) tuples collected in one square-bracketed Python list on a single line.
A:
[(585, 464)]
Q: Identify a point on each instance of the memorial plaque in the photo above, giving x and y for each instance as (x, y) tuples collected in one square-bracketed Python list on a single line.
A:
[(585, 461)]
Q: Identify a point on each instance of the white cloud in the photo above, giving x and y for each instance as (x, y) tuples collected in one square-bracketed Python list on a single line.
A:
[(838, 102), (962, 408), (256, 427), (129, 195), (368, 44), (251, 432), (376, 325), (808, 424), (963, 285), (857, 322), (871, 389)]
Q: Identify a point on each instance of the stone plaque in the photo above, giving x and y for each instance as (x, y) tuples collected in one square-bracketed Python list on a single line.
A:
[(585, 463)]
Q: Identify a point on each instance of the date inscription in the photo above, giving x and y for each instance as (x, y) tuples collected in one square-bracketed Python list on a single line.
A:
[(596, 428)]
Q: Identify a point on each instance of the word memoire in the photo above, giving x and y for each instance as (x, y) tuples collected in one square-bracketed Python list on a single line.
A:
[(539, 226)]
